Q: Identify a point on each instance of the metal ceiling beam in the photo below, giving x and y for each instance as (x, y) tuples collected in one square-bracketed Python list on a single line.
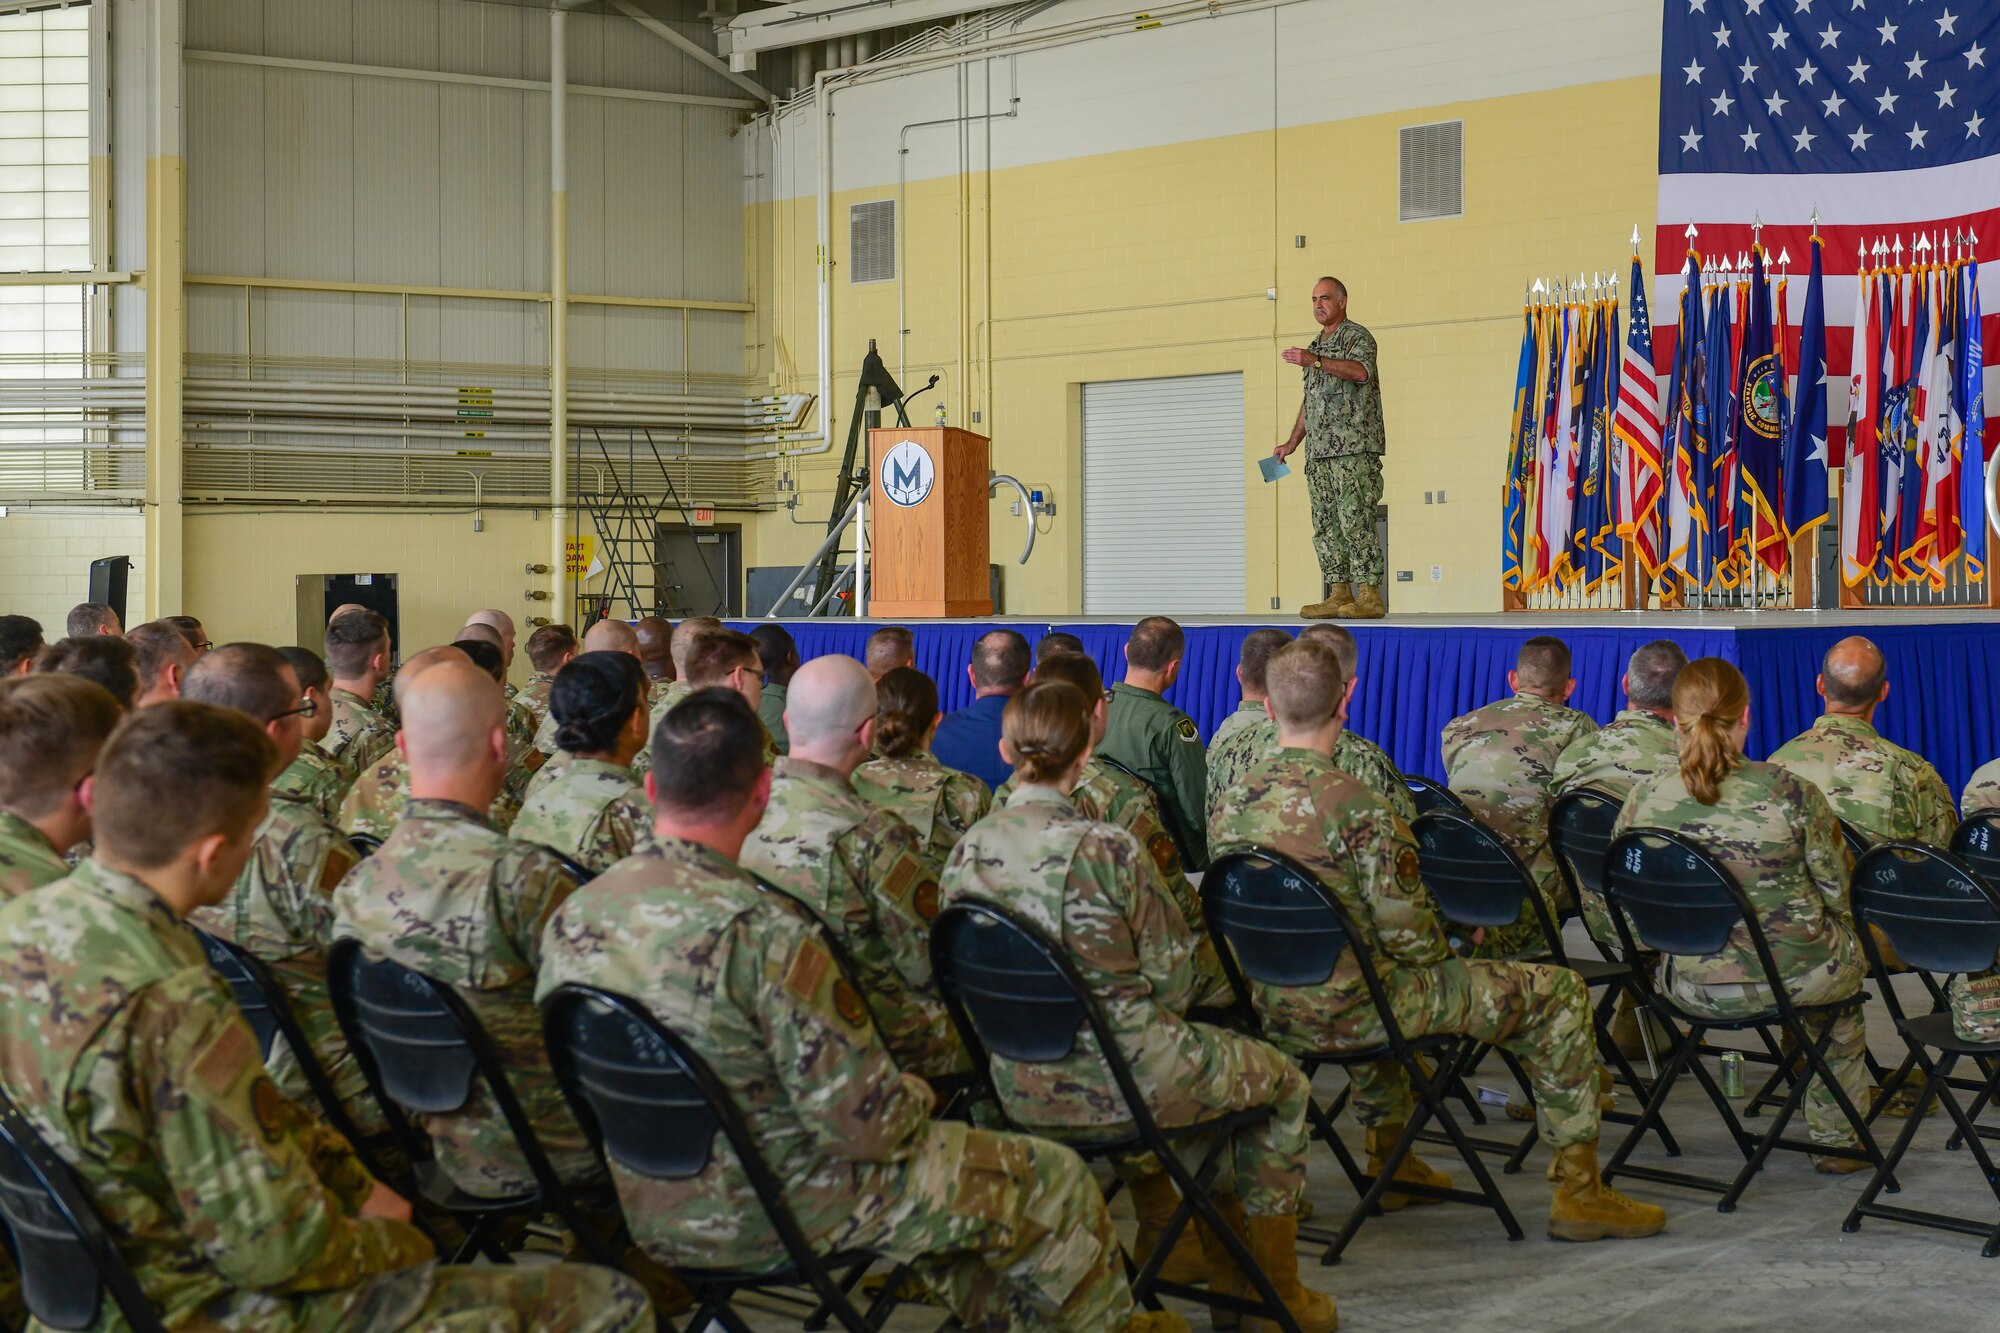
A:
[(693, 48), (818, 20)]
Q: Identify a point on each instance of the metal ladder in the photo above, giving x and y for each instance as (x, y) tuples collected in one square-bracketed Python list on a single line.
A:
[(627, 524)]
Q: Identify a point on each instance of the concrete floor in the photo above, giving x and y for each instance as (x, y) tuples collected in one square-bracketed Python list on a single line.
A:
[(1779, 1261)]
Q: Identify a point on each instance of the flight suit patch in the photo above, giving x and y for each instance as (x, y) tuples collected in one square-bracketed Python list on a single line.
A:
[(1187, 730)]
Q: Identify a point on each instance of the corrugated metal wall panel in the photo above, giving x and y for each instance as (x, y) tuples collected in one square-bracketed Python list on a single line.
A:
[(645, 239), (309, 29), (308, 175), (396, 32), (713, 176), (225, 156), (225, 25), (345, 178), (1163, 495), (396, 216)]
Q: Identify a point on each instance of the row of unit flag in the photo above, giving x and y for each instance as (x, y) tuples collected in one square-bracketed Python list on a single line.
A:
[(1704, 471)]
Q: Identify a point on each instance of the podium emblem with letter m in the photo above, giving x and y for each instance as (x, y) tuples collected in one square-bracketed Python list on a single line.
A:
[(908, 474)]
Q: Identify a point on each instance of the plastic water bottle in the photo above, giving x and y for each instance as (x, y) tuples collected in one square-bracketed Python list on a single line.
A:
[(940, 414)]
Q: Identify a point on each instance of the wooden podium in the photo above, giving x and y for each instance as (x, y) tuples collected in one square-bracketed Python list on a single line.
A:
[(927, 528)]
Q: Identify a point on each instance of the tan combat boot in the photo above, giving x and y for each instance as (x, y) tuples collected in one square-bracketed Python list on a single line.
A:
[(1414, 1169), (1154, 1199), (1274, 1244), (1367, 604), (1585, 1208), (1224, 1277), (1337, 596), (1155, 1321)]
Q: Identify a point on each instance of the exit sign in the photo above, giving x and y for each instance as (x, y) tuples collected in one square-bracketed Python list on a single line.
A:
[(703, 518)]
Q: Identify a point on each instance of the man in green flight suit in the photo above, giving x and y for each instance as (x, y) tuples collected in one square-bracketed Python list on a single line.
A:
[(1157, 741)]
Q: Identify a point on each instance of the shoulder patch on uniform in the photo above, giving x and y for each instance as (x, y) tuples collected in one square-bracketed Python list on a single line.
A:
[(338, 862), (808, 969), (1164, 853), (269, 1105), (1409, 865), (847, 1002), (906, 874), (233, 1051), (1187, 730), (926, 900)]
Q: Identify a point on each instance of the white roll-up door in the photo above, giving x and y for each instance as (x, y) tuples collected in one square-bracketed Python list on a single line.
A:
[(1163, 496)]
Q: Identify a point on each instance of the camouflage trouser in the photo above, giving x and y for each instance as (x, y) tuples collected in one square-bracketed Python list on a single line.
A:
[(1345, 492), (561, 1298), (1011, 1231), (1535, 1012), (1265, 1165), (1835, 979)]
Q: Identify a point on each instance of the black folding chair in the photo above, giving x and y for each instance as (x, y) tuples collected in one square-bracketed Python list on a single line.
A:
[(1888, 1083), (365, 845), (1977, 843), (262, 998), (1665, 892), (1430, 794), (1580, 830), (1017, 996), (1275, 924), (420, 1048), (1478, 882), (651, 1104), (62, 1249), (1942, 918)]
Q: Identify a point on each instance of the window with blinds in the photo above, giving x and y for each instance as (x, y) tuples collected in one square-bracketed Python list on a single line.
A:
[(1433, 171), (871, 242), (1164, 476), (45, 141), (44, 220)]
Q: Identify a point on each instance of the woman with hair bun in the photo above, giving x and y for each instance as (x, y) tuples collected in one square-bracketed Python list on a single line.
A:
[(906, 779), (588, 807), (1084, 884), (1777, 835)]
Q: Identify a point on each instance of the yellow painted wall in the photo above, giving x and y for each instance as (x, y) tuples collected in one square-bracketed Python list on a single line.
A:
[(242, 567), (45, 560), (1156, 262)]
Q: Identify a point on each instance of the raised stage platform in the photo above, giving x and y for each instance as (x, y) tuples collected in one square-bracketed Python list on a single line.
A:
[(1419, 672)]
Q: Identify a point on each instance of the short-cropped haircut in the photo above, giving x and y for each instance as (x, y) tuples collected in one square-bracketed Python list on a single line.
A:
[(1155, 642), (707, 753), (20, 639), (159, 645), (485, 656), (51, 728), (1543, 663), (89, 618), (547, 645), (1340, 639), (889, 647), (307, 665), (1056, 641), (1651, 672), (249, 677), (1306, 683), (103, 658), (1075, 669), (352, 637), (1000, 660), (1255, 656), (175, 773), (717, 652)]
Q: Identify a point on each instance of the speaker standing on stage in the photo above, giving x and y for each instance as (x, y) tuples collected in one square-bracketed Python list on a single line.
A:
[(1340, 424)]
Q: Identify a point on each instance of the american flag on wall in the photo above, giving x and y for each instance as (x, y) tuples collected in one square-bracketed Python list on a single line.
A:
[(1884, 115)]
